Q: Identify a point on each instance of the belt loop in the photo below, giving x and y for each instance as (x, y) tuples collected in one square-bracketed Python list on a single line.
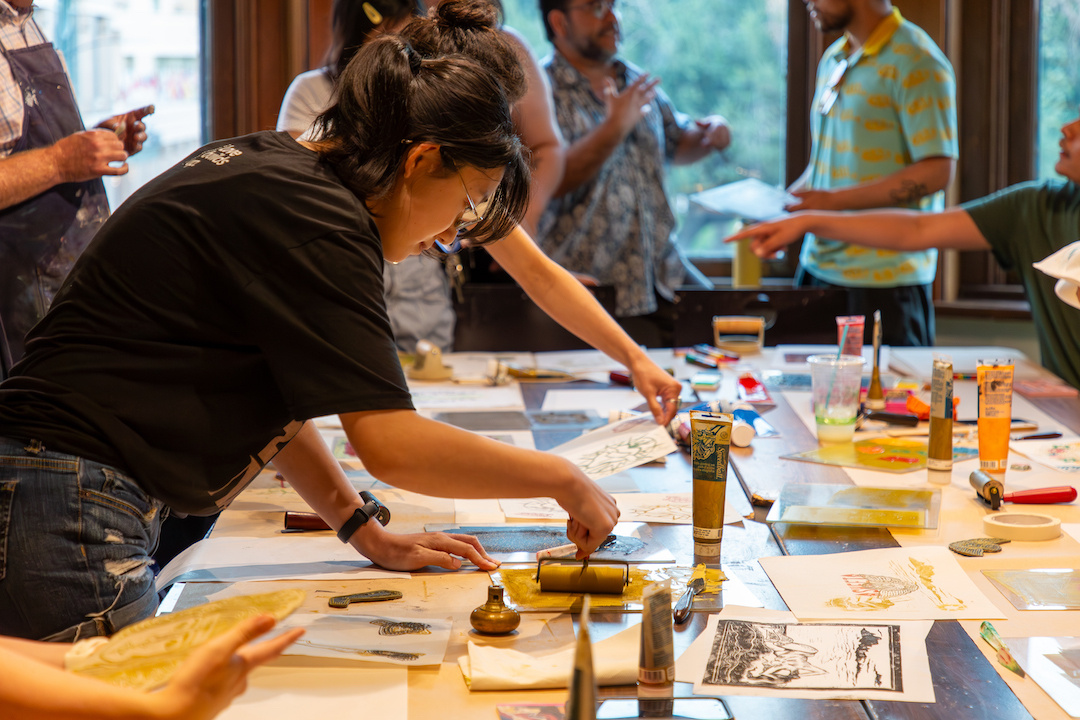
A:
[(35, 447)]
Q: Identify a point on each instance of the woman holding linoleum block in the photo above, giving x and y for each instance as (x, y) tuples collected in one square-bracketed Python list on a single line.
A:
[(233, 298)]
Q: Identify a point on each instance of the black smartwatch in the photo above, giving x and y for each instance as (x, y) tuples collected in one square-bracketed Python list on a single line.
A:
[(372, 508)]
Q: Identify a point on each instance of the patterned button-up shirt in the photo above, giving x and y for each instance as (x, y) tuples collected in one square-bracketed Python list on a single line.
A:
[(618, 226), (17, 30)]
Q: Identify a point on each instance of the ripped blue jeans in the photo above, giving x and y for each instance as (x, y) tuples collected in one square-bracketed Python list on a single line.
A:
[(75, 543)]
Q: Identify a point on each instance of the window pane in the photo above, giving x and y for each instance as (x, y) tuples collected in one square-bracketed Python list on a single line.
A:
[(125, 54), (1059, 82), (726, 57)]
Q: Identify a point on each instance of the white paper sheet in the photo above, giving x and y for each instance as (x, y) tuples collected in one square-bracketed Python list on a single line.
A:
[(601, 401), (1054, 663), (916, 583), (1062, 454), (285, 557), (919, 361), (293, 688), (619, 446), (768, 652), (672, 508), (749, 199), (466, 397), (371, 638)]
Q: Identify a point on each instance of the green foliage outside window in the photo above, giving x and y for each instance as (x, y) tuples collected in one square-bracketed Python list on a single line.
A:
[(1059, 78), (726, 57)]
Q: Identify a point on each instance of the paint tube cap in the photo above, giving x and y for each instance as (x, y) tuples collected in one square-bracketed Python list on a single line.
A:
[(742, 433), (1023, 527)]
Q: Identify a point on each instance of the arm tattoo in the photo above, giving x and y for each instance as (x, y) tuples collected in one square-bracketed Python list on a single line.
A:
[(908, 192)]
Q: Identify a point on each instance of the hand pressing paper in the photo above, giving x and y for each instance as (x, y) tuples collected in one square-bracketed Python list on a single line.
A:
[(615, 662)]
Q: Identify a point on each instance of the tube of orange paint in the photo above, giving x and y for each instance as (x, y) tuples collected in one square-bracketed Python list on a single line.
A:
[(995, 378)]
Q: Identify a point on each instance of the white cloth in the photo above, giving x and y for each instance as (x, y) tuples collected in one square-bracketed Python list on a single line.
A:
[(615, 662), (1064, 266)]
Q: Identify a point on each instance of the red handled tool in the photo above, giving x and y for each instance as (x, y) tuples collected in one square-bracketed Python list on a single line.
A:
[(1042, 496)]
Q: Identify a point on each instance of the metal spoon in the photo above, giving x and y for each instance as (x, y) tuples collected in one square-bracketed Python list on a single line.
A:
[(682, 608)]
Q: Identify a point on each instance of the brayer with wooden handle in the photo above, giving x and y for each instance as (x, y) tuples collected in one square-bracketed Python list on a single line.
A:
[(992, 492)]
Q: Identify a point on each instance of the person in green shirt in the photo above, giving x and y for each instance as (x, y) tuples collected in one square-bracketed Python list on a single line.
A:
[(1021, 224)]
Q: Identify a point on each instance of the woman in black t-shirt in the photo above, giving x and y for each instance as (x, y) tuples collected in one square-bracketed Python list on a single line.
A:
[(229, 301)]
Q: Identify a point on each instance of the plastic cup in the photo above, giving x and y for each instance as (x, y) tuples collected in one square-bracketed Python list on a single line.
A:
[(851, 343), (836, 383)]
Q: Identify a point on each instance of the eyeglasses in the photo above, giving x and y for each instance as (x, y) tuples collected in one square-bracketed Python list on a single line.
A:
[(596, 8), (465, 222), (832, 87)]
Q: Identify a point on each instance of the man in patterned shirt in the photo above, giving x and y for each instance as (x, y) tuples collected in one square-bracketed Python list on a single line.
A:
[(52, 200), (610, 218), (883, 123)]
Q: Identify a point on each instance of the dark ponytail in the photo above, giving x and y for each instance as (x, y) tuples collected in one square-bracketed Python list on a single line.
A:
[(389, 97)]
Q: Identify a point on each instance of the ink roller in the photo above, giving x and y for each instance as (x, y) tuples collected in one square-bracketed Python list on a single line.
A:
[(992, 492), (579, 576)]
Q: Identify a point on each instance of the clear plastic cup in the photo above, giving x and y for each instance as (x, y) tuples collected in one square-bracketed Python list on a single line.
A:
[(852, 342), (836, 383)]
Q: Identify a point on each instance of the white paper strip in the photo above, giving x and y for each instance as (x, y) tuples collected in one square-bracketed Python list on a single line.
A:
[(286, 557)]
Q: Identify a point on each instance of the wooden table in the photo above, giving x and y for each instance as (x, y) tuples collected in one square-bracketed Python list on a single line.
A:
[(967, 685)]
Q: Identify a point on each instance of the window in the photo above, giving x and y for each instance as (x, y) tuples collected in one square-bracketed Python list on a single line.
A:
[(726, 57), (125, 55), (1059, 82)]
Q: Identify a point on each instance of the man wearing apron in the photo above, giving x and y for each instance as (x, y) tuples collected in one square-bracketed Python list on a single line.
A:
[(52, 200)]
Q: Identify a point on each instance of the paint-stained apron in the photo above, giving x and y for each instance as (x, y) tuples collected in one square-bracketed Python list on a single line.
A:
[(41, 238)]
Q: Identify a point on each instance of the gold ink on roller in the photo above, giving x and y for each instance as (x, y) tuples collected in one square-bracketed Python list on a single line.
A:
[(710, 436), (577, 577), (940, 452)]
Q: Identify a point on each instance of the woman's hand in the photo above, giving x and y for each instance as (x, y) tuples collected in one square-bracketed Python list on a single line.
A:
[(658, 387), (593, 512), (408, 552), (217, 672), (769, 237)]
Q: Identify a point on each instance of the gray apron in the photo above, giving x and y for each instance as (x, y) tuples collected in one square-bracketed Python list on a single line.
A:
[(41, 238)]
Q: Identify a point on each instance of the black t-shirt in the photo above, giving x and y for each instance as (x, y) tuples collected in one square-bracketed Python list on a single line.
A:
[(228, 300)]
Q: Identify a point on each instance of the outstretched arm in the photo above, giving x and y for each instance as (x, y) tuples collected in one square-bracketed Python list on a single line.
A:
[(904, 230), (408, 451), (202, 687), (902, 187), (562, 297)]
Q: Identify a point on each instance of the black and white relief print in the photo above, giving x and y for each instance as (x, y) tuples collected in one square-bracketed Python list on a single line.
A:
[(819, 656)]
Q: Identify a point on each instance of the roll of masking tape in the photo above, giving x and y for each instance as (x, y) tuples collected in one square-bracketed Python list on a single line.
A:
[(1023, 527)]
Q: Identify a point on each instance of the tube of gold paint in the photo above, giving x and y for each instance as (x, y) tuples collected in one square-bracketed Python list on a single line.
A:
[(939, 455), (710, 438), (656, 663), (995, 378)]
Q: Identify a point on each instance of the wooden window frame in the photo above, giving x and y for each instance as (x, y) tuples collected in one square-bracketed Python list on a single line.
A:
[(258, 48)]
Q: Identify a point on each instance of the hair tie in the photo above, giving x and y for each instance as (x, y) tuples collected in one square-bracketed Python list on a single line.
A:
[(413, 57)]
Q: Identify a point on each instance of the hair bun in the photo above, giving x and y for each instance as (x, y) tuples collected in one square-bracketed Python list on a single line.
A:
[(467, 14), (415, 61)]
